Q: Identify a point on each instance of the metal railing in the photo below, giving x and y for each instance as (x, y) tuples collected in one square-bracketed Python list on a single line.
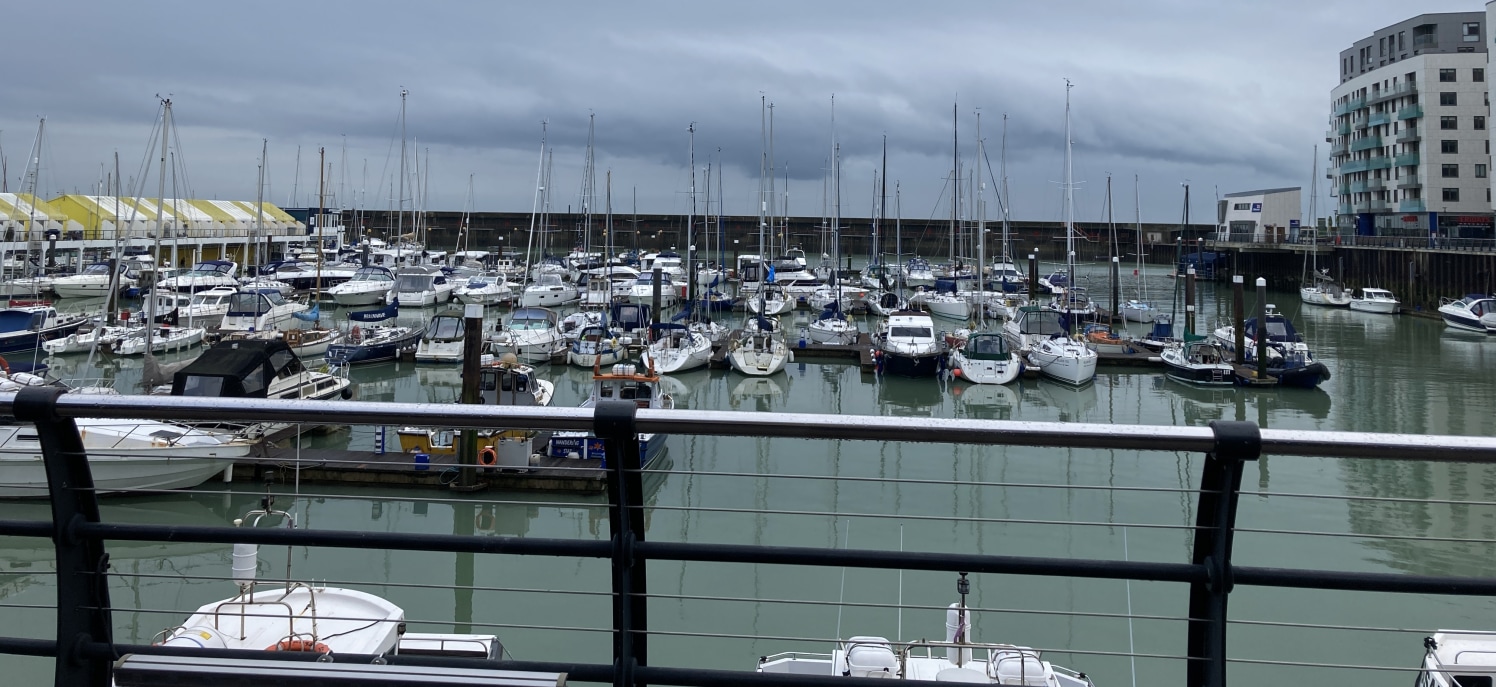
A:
[(85, 651)]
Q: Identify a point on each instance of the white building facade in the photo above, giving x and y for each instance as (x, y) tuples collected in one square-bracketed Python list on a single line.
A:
[(1266, 216), (1410, 130)]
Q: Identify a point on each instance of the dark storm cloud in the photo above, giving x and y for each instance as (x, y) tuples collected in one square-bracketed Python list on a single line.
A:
[(1232, 96)]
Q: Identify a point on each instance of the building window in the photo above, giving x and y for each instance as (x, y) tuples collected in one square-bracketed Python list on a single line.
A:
[(1477, 74), (1449, 147), (1480, 171), (1480, 123), (1450, 171), (1401, 44), (1241, 206), (1446, 76), (1449, 123), (1449, 99), (1471, 34), (1451, 195)]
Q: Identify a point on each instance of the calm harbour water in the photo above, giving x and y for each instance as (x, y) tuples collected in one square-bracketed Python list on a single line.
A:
[(1391, 374)]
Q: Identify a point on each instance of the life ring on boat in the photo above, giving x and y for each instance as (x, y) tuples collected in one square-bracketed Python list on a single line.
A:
[(299, 645), (356, 335), (488, 457)]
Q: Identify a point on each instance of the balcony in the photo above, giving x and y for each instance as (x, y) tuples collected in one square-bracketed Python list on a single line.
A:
[(1409, 136), (1377, 118), (1359, 124), (1410, 112), (1366, 143), (1411, 206), (1354, 166), (1378, 206), (1343, 129), (1338, 149), (1362, 206), (1368, 186), (1343, 191), (1381, 162), (1397, 91), (1346, 209), (1409, 184), (1406, 160)]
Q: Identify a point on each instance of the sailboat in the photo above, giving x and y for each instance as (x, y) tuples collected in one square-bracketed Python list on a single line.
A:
[(947, 302), (760, 349), (1321, 288), (546, 287), (1139, 309), (832, 325), (985, 358)]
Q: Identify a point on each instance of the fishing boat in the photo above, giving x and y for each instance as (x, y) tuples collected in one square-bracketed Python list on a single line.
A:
[(759, 350), (203, 276), (370, 285), (906, 344), (832, 327), (986, 359), (1039, 334), (595, 346), (963, 660), (1198, 362), (373, 344), (444, 338), (422, 286), (486, 289), (1374, 300), (258, 310), (532, 334), (674, 348), (621, 382), (96, 280), (1466, 313), (25, 327), (123, 455), (1289, 359), (503, 382)]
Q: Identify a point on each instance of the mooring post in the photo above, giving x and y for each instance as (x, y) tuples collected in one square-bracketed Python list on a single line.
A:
[(1033, 276), (82, 565), (472, 352), (1189, 301), (1261, 339), (1238, 315), (614, 423)]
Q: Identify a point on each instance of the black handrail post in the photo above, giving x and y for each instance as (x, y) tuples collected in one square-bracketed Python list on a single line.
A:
[(614, 423), (1215, 521), (82, 588)]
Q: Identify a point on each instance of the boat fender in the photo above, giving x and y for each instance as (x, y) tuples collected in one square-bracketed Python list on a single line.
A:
[(488, 457), (347, 393), (956, 372), (299, 645)]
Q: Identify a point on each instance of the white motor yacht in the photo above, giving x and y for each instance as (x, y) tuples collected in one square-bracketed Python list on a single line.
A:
[(1466, 313), (906, 344), (258, 311), (642, 290), (422, 286), (203, 276), (95, 280), (1372, 300), (548, 290), (444, 338), (1199, 362), (485, 290), (370, 285), (986, 359), (531, 334)]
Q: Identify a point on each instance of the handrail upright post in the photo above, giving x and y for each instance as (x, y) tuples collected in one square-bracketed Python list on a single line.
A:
[(615, 423), (1215, 522), (82, 587)]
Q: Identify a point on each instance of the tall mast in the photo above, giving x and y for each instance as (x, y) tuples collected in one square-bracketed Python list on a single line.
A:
[(1069, 197), (691, 216), (882, 207), (898, 232), (321, 220), (259, 196), (981, 227), (400, 195), (763, 200), (150, 318), (955, 184), (1137, 205), (836, 192), (772, 191), (535, 207), (1003, 200)]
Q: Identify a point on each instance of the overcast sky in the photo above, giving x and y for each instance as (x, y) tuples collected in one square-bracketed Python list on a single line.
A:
[(1229, 96)]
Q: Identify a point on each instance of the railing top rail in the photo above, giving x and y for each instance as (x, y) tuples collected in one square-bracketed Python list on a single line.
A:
[(784, 425)]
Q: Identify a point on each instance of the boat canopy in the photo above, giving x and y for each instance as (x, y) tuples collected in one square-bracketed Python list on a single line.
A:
[(23, 319), (1279, 329), (236, 369), (987, 346)]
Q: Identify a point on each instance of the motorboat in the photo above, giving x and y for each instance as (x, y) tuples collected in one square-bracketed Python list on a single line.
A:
[(1289, 359), (156, 338), (1039, 333), (595, 346), (305, 343), (485, 290), (1006, 278), (286, 290), (759, 350), (503, 382), (531, 334), (906, 344), (203, 276), (209, 306), (621, 382), (986, 359), (642, 290), (258, 310), (548, 290), (832, 327), (1199, 362), (1368, 299), (96, 280), (1457, 658), (916, 272), (123, 455), (1465, 313), (444, 339), (958, 659), (675, 348), (422, 286), (305, 275), (1324, 291), (373, 344), (1102, 338), (24, 327), (372, 285), (256, 368), (1055, 281)]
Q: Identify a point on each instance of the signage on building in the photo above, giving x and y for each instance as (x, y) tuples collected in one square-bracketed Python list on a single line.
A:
[(1410, 218), (1256, 207), (1293, 224)]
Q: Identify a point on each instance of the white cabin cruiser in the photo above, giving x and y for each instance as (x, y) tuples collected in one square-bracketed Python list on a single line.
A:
[(1457, 658), (369, 286), (906, 344), (531, 334), (642, 291), (487, 289), (548, 290), (1199, 362), (958, 659), (1372, 300), (986, 359), (1466, 313), (258, 311), (203, 276), (595, 346), (422, 286), (96, 280), (444, 339)]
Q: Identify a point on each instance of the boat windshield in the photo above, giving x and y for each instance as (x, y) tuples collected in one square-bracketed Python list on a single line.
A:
[(1277, 331), (1044, 324), (97, 268), (411, 283), (372, 275), (445, 328), (910, 332)]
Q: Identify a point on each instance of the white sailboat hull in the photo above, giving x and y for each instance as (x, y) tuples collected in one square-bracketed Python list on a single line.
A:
[(1312, 296), (949, 307), (1064, 360), (674, 360)]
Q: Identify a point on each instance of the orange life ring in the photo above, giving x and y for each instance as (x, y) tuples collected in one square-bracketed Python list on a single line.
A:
[(488, 457), (4, 365), (299, 645)]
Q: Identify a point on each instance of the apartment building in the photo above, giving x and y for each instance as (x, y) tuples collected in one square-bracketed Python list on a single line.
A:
[(1409, 129)]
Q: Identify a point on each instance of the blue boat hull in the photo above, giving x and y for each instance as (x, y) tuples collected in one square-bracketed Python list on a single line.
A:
[(350, 354), (22, 342), (650, 447)]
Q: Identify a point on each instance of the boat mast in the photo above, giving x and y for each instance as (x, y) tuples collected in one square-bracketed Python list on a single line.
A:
[(691, 214), (836, 203), (1137, 205), (1313, 193), (1003, 200), (882, 206), (898, 235), (150, 318), (981, 230), (400, 195), (1069, 205), (535, 208), (321, 222), (955, 185)]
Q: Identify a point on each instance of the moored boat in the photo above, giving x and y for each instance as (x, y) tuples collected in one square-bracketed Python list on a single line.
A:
[(622, 382)]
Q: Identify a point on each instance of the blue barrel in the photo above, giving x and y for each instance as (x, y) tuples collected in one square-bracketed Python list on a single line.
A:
[(423, 461)]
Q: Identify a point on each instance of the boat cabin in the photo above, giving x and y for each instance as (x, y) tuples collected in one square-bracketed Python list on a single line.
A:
[(237, 369), (446, 326), (508, 384)]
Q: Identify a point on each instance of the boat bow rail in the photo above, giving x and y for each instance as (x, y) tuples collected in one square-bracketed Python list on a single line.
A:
[(86, 653)]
